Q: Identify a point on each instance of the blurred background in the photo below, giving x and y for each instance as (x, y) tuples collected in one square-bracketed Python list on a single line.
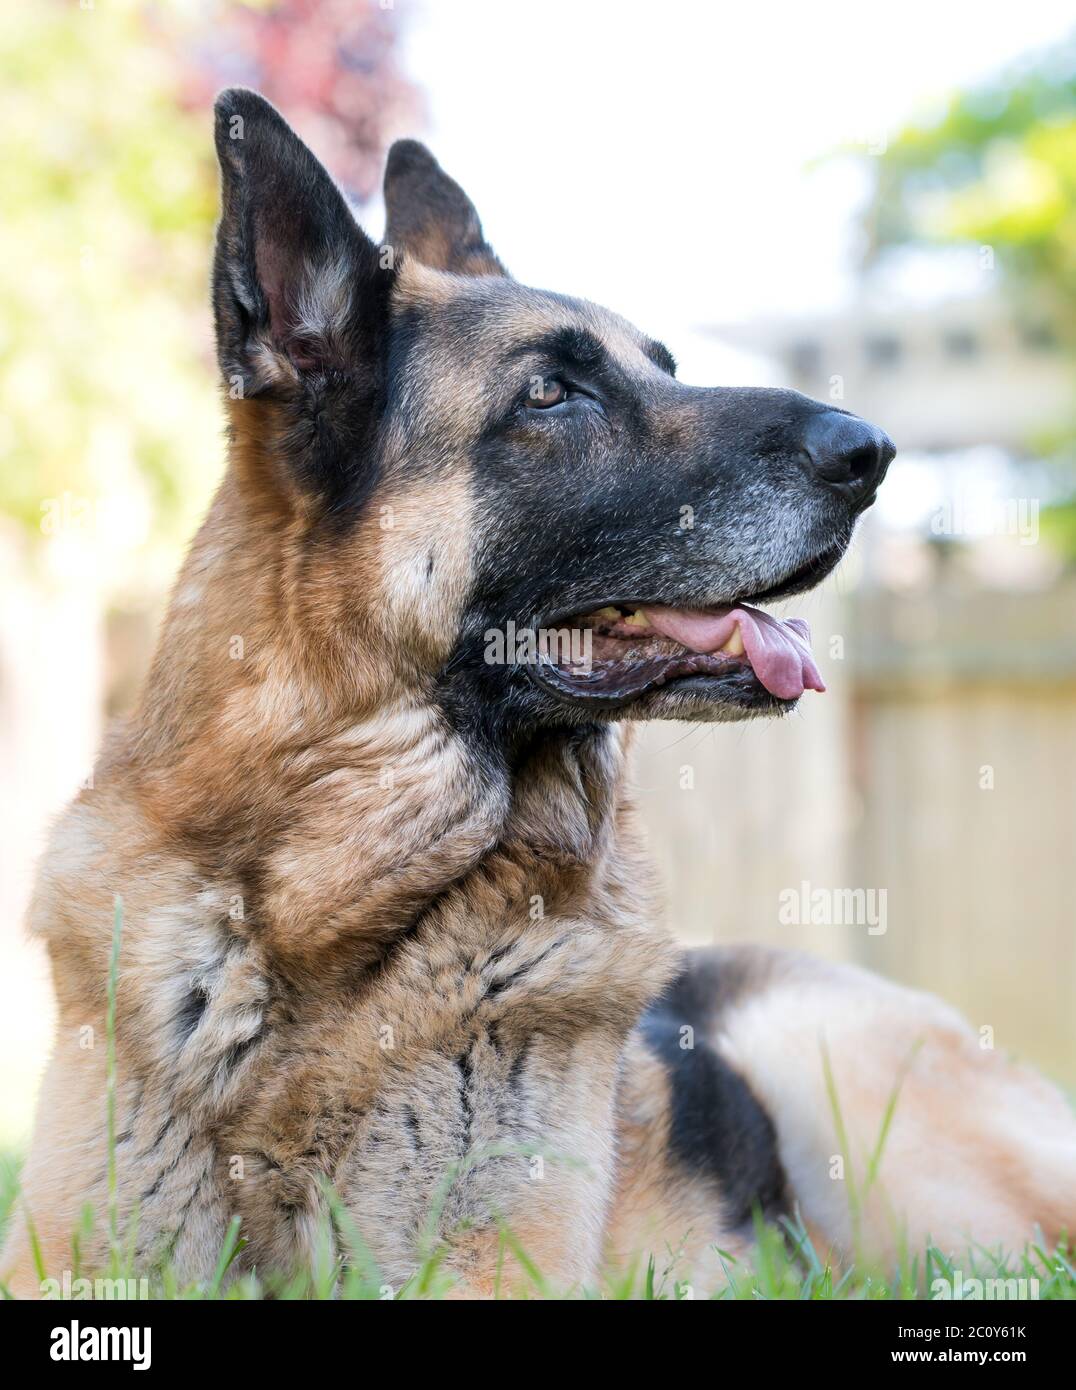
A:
[(874, 205)]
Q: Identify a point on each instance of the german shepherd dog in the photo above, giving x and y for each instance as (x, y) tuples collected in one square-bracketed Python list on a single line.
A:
[(390, 957)]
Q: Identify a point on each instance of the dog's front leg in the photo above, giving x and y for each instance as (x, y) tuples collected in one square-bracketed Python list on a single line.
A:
[(461, 1119)]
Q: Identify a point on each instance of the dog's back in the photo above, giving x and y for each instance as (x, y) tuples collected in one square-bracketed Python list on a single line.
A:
[(766, 1083)]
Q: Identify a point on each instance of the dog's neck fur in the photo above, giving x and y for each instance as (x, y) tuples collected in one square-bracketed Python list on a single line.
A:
[(344, 810)]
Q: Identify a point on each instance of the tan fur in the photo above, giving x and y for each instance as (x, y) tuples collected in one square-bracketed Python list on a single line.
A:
[(978, 1154), (980, 1148)]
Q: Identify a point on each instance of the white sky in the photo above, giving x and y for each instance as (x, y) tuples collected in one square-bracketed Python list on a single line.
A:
[(651, 156)]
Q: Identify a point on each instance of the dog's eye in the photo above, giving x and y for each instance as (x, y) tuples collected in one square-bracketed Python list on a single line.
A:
[(544, 392)]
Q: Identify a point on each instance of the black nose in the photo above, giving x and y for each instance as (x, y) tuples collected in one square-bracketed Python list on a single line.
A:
[(848, 453)]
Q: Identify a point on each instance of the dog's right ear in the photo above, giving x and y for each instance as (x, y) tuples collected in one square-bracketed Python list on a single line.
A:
[(430, 217), (299, 291)]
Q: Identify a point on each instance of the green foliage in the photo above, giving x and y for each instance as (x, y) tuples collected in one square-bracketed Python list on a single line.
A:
[(109, 421), (998, 168), (106, 380)]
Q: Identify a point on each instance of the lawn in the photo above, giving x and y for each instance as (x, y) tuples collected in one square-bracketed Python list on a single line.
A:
[(785, 1266)]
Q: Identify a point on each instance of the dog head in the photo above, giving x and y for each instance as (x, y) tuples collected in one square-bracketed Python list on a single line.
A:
[(502, 496)]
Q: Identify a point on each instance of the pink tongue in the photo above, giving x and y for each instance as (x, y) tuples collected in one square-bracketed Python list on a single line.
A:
[(779, 650)]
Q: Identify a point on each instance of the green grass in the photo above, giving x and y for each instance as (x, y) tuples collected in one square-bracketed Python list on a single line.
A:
[(784, 1263)]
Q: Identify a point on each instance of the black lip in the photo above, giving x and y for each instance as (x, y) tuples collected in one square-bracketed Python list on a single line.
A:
[(741, 690), (738, 677)]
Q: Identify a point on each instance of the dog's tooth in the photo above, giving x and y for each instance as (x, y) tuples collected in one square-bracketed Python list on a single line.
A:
[(638, 619), (734, 646), (613, 614)]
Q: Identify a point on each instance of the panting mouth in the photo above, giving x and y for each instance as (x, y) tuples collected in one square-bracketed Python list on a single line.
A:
[(619, 652)]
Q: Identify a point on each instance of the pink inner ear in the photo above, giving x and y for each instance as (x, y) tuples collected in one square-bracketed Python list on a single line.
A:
[(273, 267)]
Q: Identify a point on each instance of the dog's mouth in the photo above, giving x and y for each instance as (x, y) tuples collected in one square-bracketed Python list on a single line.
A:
[(736, 653)]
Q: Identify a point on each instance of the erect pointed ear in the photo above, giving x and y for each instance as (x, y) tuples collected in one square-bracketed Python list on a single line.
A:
[(299, 291), (430, 217)]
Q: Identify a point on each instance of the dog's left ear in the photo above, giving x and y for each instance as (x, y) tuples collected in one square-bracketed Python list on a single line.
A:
[(299, 289), (301, 297), (430, 217)]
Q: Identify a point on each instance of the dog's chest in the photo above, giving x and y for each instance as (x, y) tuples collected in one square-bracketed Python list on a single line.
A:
[(466, 1081), (494, 1101), (465, 1139)]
